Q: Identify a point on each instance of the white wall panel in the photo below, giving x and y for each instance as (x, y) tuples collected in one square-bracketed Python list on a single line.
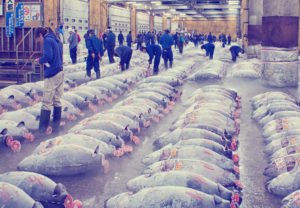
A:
[(143, 22), (119, 19), (158, 23), (75, 14)]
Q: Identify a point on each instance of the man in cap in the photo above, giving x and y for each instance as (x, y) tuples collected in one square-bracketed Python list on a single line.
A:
[(73, 42), (166, 41), (95, 53), (110, 45), (124, 53)]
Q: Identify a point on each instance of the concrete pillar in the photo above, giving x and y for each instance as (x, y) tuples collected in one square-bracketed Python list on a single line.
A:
[(165, 24), (98, 15), (133, 23), (151, 24), (254, 28), (279, 54), (244, 20)]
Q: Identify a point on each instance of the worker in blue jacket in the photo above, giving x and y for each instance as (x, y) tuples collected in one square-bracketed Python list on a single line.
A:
[(129, 39), (52, 59), (166, 41), (210, 49), (121, 38), (124, 53), (154, 51), (110, 45), (224, 40), (235, 50), (95, 53), (210, 38)]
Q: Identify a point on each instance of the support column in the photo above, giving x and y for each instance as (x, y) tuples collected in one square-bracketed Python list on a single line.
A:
[(279, 54), (51, 10), (244, 21), (98, 15), (255, 28), (133, 23), (151, 25), (165, 23)]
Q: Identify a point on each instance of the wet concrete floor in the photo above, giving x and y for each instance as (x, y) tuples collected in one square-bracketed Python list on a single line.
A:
[(95, 187)]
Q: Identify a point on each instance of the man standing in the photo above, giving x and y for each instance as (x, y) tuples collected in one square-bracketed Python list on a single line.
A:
[(210, 49), (235, 50), (124, 53), (210, 38), (120, 38), (166, 41), (139, 41), (54, 79), (110, 46), (129, 39), (153, 51), (229, 39), (78, 37), (73, 42), (175, 37), (95, 53)]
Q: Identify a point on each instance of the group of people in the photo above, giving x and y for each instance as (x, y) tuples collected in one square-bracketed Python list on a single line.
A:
[(52, 59)]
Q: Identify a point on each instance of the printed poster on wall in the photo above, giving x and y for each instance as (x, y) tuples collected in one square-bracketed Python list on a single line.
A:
[(27, 12), (32, 13), (20, 15), (35, 13), (1, 7)]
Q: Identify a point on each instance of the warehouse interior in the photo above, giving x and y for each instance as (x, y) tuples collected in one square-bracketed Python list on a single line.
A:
[(149, 104)]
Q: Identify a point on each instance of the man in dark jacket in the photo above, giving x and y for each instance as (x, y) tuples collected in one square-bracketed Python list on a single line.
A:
[(224, 40), (73, 42), (120, 38), (139, 41), (235, 50), (210, 49), (129, 39), (54, 79), (175, 37), (229, 39), (210, 38), (95, 53), (166, 41), (153, 51), (110, 46), (124, 53), (104, 38), (148, 38)]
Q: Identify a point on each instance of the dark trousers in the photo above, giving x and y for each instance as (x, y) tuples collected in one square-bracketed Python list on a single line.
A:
[(129, 44), (138, 46), (234, 55), (180, 47), (120, 43), (156, 63), (125, 61), (110, 53), (93, 63), (211, 53), (168, 55), (223, 45), (73, 55)]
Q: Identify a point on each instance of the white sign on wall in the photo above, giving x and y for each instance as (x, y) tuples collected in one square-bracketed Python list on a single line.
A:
[(1, 7)]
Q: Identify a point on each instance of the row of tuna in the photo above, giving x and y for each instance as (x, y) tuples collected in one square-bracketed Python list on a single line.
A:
[(278, 115), (110, 133), (32, 190), (15, 126), (15, 97), (195, 164)]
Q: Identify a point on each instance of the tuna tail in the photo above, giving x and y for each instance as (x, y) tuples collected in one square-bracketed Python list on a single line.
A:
[(97, 150)]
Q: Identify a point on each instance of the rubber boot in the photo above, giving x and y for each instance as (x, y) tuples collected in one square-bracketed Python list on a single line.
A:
[(44, 121), (56, 119), (166, 64), (171, 64), (98, 75)]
